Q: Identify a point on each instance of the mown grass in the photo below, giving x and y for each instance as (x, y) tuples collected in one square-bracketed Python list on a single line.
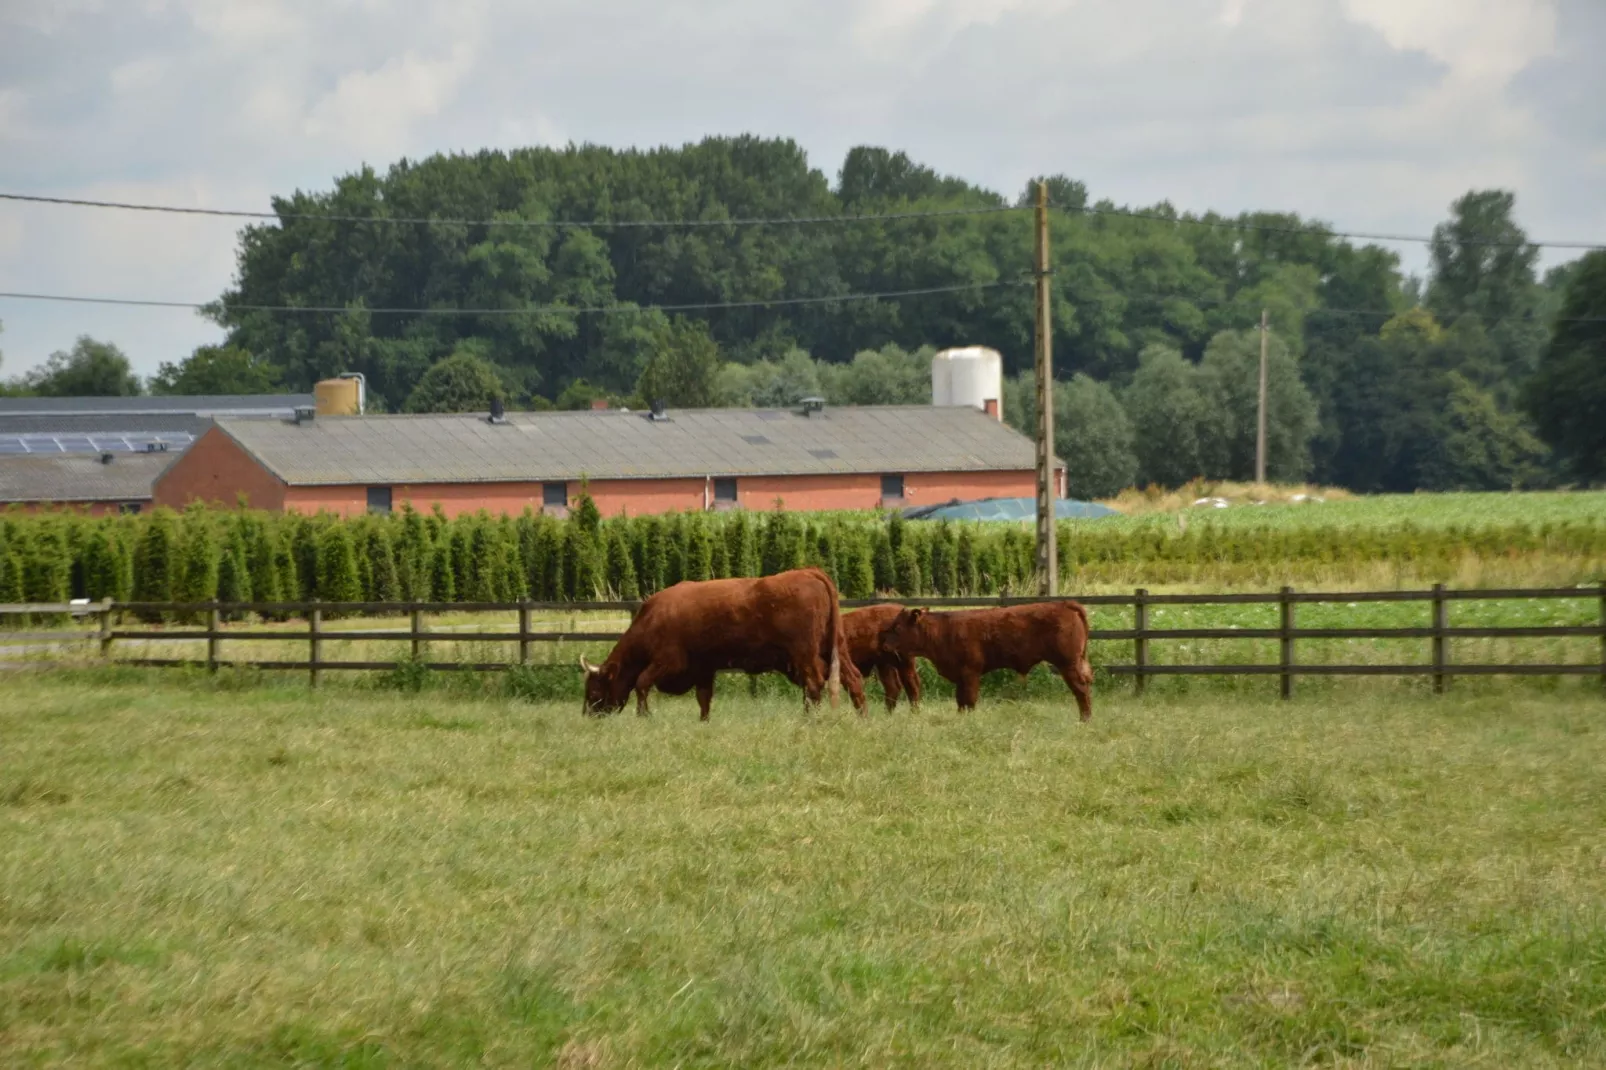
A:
[(257, 875)]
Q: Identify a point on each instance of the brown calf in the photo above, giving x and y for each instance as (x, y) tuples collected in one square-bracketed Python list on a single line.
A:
[(962, 646), (863, 629)]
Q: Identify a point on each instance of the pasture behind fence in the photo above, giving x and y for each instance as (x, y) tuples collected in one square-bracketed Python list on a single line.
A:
[(111, 619)]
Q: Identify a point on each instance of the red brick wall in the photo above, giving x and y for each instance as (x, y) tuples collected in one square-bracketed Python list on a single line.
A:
[(216, 469), (638, 497)]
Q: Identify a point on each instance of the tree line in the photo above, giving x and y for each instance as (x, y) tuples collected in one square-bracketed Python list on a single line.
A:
[(1482, 376)]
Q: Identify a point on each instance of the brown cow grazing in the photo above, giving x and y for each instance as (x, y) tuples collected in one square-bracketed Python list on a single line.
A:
[(897, 674), (789, 623), (963, 646)]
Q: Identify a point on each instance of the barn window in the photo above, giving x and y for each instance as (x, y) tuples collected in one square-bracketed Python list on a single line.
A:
[(128, 508), (379, 499), (892, 486), (555, 494), (725, 490)]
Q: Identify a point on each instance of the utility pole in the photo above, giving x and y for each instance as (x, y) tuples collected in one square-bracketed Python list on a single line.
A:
[(1260, 429), (1047, 553)]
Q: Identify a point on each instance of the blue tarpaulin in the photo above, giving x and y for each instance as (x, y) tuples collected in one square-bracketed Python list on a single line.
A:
[(1006, 509)]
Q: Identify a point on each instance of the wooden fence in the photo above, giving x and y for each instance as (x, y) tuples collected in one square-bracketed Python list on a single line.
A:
[(1141, 635)]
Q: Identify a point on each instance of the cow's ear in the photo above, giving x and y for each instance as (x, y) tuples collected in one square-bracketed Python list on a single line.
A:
[(915, 614)]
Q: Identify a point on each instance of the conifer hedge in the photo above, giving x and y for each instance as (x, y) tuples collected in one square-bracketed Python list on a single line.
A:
[(236, 555)]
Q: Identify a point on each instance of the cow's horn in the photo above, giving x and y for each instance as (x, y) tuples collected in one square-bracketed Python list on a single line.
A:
[(586, 665)]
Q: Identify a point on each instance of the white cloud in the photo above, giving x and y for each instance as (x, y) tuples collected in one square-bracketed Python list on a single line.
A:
[(1477, 39), (1372, 114), (373, 111)]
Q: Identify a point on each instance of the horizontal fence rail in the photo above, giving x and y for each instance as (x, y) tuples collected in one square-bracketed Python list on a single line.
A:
[(420, 636)]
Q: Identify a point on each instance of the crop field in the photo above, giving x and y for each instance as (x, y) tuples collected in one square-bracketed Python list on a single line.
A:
[(242, 872)]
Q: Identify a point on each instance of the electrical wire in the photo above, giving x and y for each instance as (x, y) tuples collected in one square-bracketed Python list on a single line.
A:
[(527, 310), (671, 224), (538, 224), (1316, 230)]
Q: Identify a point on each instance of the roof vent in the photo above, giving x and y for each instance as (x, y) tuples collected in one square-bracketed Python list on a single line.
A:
[(498, 413), (153, 447), (658, 412), (305, 414), (812, 406), (107, 458)]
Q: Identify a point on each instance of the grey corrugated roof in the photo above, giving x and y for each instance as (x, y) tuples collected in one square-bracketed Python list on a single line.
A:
[(109, 423), (80, 477), (627, 445), (195, 405)]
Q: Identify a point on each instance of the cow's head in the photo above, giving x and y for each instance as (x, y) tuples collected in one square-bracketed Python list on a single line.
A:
[(602, 696), (897, 636)]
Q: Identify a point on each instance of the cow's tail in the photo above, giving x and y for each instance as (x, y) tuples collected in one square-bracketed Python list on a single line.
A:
[(1084, 668), (834, 637)]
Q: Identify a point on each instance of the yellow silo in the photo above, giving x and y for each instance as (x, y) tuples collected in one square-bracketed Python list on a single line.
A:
[(337, 397)]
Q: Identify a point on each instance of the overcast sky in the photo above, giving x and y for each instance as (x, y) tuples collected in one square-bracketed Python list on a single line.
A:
[(1369, 114)]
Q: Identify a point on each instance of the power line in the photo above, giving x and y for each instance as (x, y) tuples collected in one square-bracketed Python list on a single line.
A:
[(670, 224), (1317, 230), (528, 310), (538, 224), (885, 295)]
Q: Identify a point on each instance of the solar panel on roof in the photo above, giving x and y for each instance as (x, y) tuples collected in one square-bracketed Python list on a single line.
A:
[(755, 440), (100, 442), (824, 455)]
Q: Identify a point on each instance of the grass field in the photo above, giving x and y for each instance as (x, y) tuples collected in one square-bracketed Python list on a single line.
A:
[(1364, 877)]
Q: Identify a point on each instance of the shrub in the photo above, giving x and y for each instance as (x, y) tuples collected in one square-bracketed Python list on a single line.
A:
[(908, 576), (154, 562), (621, 569), (409, 674), (540, 683), (337, 566)]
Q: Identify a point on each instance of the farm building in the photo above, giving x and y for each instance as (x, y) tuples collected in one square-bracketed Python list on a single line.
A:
[(96, 483), (122, 425), (632, 462)]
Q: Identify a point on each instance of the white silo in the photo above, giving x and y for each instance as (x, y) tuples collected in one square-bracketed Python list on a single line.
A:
[(972, 375)]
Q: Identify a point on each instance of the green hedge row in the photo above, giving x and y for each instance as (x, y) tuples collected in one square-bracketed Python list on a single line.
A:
[(251, 556)]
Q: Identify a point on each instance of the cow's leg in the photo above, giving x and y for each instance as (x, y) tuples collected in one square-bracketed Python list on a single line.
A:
[(909, 673), (853, 681), (968, 689), (1081, 686), (705, 696), (888, 675), (644, 684)]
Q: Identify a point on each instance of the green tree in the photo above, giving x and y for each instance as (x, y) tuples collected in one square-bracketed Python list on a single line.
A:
[(1484, 269), (1092, 434), (1567, 395), (198, 557), (383, 578), (621, 569), (683, 367), (216, 370), (155, 559), (699, 550), (1176, 429), (89, 369), (909, 583), (463, 382), (337, 565), (1483, 448), (883, 567), (1231, 374)]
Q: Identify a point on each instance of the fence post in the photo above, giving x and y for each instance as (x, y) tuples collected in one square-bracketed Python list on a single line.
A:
[(418, 633), (1286, 656), (314, 629), (1603, 633), (106, 627), (524, 633), (1439, 617), (212, 623), (1140, 642)]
